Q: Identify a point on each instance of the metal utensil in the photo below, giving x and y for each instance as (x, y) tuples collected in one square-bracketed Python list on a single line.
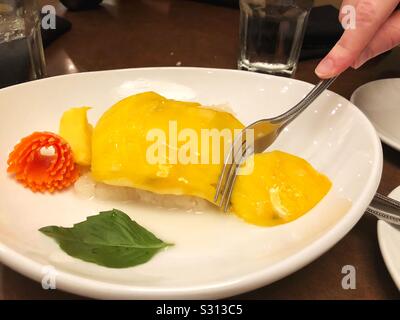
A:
[(264, 132), (385, 208)]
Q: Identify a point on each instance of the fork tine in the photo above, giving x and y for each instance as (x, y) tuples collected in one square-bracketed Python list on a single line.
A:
[(227, 182), (228, 187), (222, 179), (222, 175), (232, 184)]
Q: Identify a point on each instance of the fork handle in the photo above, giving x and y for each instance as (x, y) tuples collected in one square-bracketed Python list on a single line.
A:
[(292, 113), (385, 208)]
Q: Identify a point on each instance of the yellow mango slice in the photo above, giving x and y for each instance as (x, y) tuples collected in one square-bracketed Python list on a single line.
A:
[(76, 130), (121, 145), (281, 188)]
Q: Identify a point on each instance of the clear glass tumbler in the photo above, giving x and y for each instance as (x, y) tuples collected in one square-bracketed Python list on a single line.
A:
[(21, 48), (271, 34)]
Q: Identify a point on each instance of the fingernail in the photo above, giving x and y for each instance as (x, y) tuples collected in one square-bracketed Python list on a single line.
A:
[(363, 58), (325, 68)]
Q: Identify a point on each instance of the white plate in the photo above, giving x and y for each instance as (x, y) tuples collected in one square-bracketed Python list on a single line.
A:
[(380, 101), (214, 255), (389, 243)]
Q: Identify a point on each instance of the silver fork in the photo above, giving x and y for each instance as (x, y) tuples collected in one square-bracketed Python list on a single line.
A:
[(385, 208), (264, 132)]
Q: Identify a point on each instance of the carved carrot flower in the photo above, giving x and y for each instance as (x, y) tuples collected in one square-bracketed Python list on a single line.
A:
[(43, 161)]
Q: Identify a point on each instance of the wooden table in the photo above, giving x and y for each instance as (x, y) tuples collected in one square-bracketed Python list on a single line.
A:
[(129, 34)]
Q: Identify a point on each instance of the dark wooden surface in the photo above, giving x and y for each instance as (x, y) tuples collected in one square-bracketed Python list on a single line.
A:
[(126, 34)]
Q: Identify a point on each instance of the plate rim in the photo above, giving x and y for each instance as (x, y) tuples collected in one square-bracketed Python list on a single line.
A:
[(387, 140), (381, 225), (100, 289)]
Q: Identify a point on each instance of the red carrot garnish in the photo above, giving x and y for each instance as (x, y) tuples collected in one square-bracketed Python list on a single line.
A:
[(43, 162)]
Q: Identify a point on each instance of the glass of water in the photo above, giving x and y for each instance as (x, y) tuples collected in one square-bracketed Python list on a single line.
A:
[(271, 34), (21, 48)]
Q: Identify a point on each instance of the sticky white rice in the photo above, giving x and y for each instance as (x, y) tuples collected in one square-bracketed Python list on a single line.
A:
[(87, 188)]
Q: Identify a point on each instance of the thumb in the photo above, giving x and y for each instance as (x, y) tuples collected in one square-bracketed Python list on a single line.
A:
[(387, 37), (370, 16)]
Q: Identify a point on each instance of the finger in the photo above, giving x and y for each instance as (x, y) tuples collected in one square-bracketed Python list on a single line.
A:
[(387, 37), (370, 15), (344, 4)]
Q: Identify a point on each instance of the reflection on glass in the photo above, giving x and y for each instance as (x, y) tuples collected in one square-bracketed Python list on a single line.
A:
[(271, 34), (21, 49)]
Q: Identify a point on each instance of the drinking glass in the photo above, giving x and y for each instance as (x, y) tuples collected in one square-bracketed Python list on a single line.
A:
[(21, 48), (271, 34)]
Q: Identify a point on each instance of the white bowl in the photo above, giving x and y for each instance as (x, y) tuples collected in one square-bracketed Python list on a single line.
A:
[(389, 243), (215, 255), (380, 101)]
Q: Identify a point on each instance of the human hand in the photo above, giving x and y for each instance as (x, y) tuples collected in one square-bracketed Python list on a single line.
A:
[(377, 30)]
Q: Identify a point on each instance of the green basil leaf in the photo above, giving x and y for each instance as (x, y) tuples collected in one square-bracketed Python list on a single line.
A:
[(109, 239)]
